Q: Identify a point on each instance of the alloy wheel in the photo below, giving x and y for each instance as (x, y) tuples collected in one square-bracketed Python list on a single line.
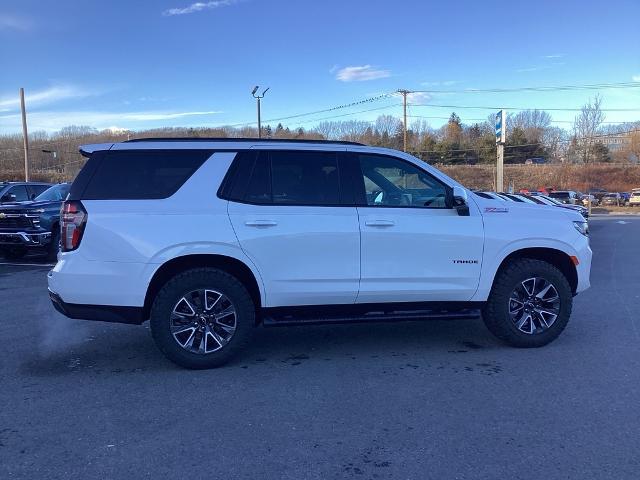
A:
[(203, 321), (534, 305)]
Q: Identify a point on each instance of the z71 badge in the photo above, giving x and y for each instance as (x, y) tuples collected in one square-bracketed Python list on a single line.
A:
[(496, 210)]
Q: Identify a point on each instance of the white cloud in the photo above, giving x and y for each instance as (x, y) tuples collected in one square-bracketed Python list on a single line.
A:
[(41, 97), (361, 73), (636, 78), (10, 22), (53, 120), (554, 55), (199, 6)]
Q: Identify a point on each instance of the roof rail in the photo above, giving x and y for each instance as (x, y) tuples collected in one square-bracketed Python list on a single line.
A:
[(234, 140)]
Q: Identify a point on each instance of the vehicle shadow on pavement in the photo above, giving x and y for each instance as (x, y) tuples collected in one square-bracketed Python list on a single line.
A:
[(75, 347)]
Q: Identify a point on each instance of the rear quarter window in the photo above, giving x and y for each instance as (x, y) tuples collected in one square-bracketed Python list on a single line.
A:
[(142, 174)]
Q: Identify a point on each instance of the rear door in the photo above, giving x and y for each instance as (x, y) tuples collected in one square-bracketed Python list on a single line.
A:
[(294, 219), (415, 246)]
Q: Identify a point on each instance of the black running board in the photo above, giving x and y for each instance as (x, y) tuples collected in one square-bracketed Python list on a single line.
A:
[(274, 317)]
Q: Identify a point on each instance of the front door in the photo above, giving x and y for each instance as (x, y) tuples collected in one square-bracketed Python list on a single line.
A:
[(415, 247)]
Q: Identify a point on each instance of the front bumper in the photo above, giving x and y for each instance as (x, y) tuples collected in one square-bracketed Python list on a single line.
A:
[(25, 239), (102, 313)]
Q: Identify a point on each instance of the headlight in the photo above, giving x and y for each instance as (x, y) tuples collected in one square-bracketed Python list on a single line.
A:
[(582, 227)]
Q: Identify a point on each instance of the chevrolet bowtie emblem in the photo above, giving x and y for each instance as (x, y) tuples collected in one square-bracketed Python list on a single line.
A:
[(2, 215)]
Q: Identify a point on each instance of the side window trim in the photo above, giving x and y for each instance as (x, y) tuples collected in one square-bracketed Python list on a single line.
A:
[(361, 191)]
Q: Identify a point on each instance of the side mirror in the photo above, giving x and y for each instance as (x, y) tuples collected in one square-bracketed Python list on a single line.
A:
[(8, 197), (461, 201)]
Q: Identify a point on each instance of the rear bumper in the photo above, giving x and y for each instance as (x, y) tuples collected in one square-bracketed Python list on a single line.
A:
[(25, 239), (102, 313)]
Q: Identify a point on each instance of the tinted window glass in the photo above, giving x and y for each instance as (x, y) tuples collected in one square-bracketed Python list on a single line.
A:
[(54, 194), (259, 187), (391, 182), (20, 191), (139, 174), (38, 189), (305, 178)]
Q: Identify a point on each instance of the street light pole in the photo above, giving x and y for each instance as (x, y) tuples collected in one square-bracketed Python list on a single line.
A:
[(258, 98), (25, 136)]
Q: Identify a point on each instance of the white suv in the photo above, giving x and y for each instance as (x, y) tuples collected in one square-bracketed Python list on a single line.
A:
[(207, 238)]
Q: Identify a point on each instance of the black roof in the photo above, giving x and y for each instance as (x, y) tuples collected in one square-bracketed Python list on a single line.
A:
[(239, 140)]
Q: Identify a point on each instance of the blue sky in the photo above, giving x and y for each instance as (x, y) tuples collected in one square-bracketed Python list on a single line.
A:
[(145, 64)]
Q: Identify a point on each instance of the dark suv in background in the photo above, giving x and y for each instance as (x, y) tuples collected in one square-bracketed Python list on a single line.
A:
[(21, 191), (32, 225)]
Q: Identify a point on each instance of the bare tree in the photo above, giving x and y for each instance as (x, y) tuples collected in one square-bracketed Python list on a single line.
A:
[(586, 126), (532, 122), (387, 124)]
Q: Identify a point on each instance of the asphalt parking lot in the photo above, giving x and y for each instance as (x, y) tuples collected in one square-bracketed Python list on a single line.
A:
[(414, 400)]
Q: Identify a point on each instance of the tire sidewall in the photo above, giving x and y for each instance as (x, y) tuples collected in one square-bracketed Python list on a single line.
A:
[(512, 277), (180, 285)]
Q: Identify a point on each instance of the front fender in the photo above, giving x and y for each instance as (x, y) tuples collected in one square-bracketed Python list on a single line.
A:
[(493, 260)]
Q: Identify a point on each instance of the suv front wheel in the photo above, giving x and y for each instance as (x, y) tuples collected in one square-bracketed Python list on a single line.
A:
[(202, 317), (529, 305)]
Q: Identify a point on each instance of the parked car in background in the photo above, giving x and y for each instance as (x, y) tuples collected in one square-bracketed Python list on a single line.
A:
[(634, 199), (33, 225), (547, 200), (594, 201), (568, 197), (11, 192), (625, 198), (612, 199)]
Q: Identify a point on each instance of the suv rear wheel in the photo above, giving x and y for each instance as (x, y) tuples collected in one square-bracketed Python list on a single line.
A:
[(529, 305), (202, 317)]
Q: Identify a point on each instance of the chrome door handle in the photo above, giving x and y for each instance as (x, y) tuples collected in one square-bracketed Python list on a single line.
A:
[(260, 223), (379, 223)]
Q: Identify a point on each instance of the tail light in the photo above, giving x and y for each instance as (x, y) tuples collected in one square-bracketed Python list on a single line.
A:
[(73, 218)]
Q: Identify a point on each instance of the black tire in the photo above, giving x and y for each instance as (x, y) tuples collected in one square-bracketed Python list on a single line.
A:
[(496, 311), (190, 280), (54, 246)]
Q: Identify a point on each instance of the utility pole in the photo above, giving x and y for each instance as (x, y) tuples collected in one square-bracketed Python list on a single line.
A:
[(404, 94), (258, 98), (25, 136), (501, 135)]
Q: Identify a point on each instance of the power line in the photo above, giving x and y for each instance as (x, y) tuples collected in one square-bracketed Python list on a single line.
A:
[(325, 110), (553, 109), (484, 120), (547, 88)]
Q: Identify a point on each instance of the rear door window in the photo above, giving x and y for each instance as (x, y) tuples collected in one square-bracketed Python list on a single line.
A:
[(305, 178), (142, 174)]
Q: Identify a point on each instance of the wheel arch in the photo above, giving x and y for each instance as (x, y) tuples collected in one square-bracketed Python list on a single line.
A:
[(558, 258), (176, 265)]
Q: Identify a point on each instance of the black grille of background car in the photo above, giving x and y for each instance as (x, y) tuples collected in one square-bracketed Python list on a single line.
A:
[(15, 222)]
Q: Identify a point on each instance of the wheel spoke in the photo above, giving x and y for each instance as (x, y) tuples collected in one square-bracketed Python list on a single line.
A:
[(517, 308), (544, 291), (208, 304), (230, 310), (203, 321), (531, 286), (184, 308)]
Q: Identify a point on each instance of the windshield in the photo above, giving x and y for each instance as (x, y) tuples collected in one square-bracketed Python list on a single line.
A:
[(552, 200), (54, 194)]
